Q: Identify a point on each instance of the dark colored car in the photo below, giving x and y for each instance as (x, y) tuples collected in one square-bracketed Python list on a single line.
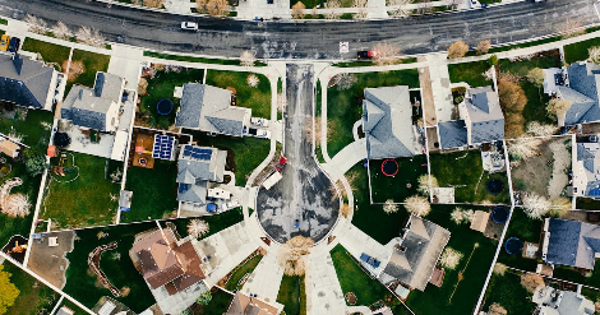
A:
[(14, 44), (367, 54)]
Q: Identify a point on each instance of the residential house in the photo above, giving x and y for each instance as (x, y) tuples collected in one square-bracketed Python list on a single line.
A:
[(481, 120), (65, 310), (166, 262), (415, 254), (208, 108), (250, 305), (570, 243), (581, 89), (387, 122), (28, 83), (551, 301), (95, 108), (195, 168), (586, 171), (8, 147)]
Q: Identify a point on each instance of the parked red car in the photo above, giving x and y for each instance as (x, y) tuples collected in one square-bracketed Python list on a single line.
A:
[(281, 164)]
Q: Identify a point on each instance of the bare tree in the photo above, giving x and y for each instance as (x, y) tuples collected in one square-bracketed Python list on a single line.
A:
[(450, 258), (390, 207), (154, 3), (523, 148), (500, 269), (536, 76), (37, 25), (252, 80), (61, 31), (218, 7), (458, 49), (536, 206), (346, 81), (197, 228), (426, 183), (16, 205), (90, 37), (332, 6), (400, 8), (497, 309), (387, 52), (142, 86), (594, 53), (560, 206), (558, 106), (417, 205), (291, 255), (76, 68), (538, 129), (247, 59), (532, 282), (460, 216), (483, 47), (345, 210), (361, 5), (201, 6), (512, 100), (298, 10), (570, 28)]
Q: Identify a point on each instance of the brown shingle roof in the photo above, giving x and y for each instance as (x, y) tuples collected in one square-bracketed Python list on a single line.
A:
[(245, 305)]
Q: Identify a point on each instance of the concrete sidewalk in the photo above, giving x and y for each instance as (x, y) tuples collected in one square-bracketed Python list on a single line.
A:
[(440, 86), (324, 294), (266, 278), (346, 159)]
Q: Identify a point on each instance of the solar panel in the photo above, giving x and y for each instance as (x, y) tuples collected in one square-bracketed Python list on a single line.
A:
[(163, 147)]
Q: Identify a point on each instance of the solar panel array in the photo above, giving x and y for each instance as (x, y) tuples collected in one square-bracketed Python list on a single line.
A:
[(163, 147), (197, 153)]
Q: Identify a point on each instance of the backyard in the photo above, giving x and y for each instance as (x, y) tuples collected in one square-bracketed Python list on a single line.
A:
[(527, 230), (216, 223), (154, 191), (344, 107), (34, 297), (292, 295), (458, 294), (507, 291), (371, 219), (354, 279), (247, 268), (82, 198), (464, 171), (257, 98), (162, 85), (579, 51), (92, 62), (52, 54), (32, 125), (217, 306), (471, 73), (397, 187)]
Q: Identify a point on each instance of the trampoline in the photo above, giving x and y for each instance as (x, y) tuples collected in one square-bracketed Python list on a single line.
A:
[(494, 186), (62, 140), (389, 167), (164, 107), (513, 246), (499, 214)]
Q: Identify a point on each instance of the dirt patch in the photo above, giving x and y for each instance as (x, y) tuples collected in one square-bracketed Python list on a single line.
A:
[(560, 168), (75, 69), (427, 92), (50, 262)]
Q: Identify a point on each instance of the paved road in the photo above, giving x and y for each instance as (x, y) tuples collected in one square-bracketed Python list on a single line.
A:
[(303, 195), (308, 39)]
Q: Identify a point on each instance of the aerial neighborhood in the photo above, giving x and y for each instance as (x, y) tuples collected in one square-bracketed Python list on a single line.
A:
[(299, 157)]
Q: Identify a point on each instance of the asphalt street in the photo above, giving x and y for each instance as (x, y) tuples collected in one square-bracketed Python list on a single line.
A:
[(301, 203), (307, 39)]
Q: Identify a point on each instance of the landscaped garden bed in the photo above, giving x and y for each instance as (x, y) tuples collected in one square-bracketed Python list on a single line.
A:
[(233, 283), (292, 294)]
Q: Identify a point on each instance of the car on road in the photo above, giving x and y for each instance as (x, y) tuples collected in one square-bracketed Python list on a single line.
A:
[(14, 44), (281, 164), (367, 54), (189, 26), (4, 40)]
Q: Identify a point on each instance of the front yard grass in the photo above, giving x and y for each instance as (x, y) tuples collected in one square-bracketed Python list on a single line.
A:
[(35, 128), (456, 297), (243, 154), (344, 108), (292, 295), (508, 292), (248, 267), (371, 219), (354, 279), (463, 170), (216, 223), (93, 63), (544, 60), (84, 201), (258, 98), (527, 230), (162, 85), (471, 73), (217, 306), (154, 191), (395, 188), (34, 297), (51, 53), (579, 51)]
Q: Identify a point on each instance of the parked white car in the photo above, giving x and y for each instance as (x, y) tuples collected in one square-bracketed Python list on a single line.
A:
[(259, 121), (189, 26)]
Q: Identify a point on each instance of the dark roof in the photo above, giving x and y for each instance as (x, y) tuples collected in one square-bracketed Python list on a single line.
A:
[(485, 115), (573, 243), (582, 93), (453, 134), (245, 305), (25, 82), (196, 166)]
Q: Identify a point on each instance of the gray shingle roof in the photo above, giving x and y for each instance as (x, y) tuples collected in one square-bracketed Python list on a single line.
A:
[(485, 115), (571, 303), (108, 86), (25, 82), (453, 134), (209, 109), (582, 92), (192, 193), (573, 243), (193, 173), (422, 244), (387, 122)]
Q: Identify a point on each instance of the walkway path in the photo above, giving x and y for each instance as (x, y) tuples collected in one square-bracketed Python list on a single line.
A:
[(266, 278), (440, 86), (324, 294), (346, 159)]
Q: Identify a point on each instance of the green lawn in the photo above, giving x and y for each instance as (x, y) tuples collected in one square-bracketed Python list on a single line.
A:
[(527, 230), (395, 188), (35, 129), (292, 295), (247, 153), (231, 62), (354, 279), (218, 305), (51, 53), (463, 171), (549, 59), (258, 98), (471, 73), (344, 108), (508, 292), (535, 109), (371, 219), (216, 223), (526, 44), (574, 275), (588, 204), (86, 200), (248, 267), (361, 63), (162, 85), (93, 63), (3, 21), (34, 297), (579, 51), (465, 293), (154, 191)]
